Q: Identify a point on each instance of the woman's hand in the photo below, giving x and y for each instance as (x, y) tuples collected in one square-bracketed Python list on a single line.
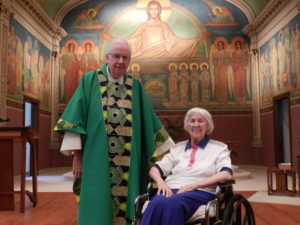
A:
[(164, 189), (190, 187)]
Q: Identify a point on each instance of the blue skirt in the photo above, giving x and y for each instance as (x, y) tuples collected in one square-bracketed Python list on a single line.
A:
[(175, 209)]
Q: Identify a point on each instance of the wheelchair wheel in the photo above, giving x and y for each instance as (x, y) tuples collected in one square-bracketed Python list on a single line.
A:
[(238, 212)]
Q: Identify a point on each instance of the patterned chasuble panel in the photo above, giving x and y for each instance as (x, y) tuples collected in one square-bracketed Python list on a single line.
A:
[(117, 110)]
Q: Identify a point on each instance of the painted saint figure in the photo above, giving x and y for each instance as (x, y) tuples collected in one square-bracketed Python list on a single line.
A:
[(274, 64), (220, 63), (34, 69), (27, 65), (297, 55), (266, 78), (205, 83), (195, 83), (11, 62), (239, 61), (70, 65), (184, 83), (88, 61), (19, 65), (281, 57), (47, 74), (173, 83)]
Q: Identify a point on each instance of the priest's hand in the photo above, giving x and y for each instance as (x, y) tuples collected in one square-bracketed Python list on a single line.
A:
[(77, 163)]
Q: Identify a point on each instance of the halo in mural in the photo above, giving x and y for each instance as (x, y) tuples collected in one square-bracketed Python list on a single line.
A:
[(70, 42), (281, 35), (183, 64), (216, 10), (204, 64), (220, 39), (36, 44), (171, 65), (194, 64), (88, 42), (234, 40), (28, 43), (92, 13), (135, 65)]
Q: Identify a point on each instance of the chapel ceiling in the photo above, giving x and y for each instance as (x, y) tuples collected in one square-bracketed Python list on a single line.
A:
[(52, 7)]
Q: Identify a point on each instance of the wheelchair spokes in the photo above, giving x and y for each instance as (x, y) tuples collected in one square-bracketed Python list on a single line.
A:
[(238, 212)]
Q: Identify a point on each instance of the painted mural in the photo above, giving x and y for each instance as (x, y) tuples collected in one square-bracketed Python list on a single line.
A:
[(186, 53), (280, 63), (28, 70)]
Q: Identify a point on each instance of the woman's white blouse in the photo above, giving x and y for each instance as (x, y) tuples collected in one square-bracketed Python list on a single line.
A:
[(208, 161)]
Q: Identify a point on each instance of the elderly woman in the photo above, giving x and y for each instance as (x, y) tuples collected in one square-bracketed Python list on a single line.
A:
[(193, 168)]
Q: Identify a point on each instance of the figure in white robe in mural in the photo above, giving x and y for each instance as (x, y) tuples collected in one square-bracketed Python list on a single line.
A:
[(220, 61), (239, 61), (173, 83), (205, 83), (281, 58), (274, 64), (27, 65), (19, 65), (266, 78), (183, 84), (195, 84), (287, 46), (297, 55), (155, 39), (41, 83), (34, 69), (46, 97), (88, 60), (11, 61)]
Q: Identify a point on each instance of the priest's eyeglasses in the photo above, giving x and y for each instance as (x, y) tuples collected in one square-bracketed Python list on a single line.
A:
[(118, 56)]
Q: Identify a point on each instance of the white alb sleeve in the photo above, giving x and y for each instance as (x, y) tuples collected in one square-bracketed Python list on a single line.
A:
[(71, 142), (167, 145)]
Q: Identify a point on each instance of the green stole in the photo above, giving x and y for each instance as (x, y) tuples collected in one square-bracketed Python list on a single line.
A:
[(84, 115)]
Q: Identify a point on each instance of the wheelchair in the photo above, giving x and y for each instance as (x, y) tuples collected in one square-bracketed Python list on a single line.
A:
[(226, 209)]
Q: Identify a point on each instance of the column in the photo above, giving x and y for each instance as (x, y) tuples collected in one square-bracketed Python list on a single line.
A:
[(256, 101), (54, 86), (5, 14)]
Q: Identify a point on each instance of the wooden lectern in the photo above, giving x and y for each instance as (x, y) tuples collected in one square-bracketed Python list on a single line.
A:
[(9, 136)]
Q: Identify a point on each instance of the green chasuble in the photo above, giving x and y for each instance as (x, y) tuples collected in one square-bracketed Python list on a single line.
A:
[(86, 114)]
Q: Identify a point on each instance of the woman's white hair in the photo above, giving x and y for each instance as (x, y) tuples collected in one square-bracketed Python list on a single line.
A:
[(203, 112)]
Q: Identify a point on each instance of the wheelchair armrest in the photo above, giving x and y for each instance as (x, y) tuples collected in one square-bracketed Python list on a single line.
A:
[(226, 187), (226, 183), (140, 198), (138, 204)]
